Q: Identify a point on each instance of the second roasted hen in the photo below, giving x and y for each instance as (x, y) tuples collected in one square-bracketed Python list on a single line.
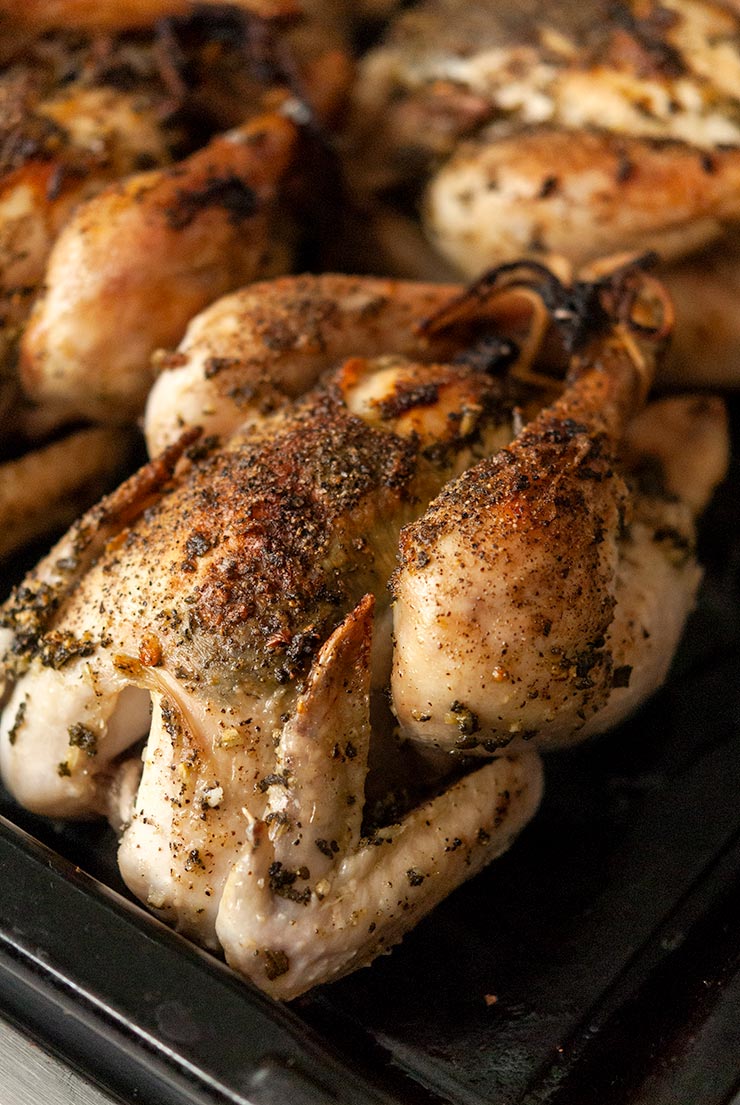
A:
[(143, 173), (238, 590), (576, 129)]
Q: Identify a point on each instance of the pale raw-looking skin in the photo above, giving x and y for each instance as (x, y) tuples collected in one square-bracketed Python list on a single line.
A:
[(562, 128), (239, 593)]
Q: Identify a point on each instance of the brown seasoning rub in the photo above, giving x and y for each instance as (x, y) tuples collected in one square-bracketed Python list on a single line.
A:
[(301, 321), (252, 554)]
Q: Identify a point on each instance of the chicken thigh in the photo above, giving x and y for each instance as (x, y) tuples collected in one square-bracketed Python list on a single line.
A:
[(542, 595)]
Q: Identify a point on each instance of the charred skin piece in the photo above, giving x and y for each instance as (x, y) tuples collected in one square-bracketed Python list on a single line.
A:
[(559, 128), (240, 590)]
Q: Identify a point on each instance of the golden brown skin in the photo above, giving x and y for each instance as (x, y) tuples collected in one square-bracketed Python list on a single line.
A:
[(251, 351), (39, 16), (66, 132), (515, 560), (82, 110), (450, 70), (304, 43), (133, 265)]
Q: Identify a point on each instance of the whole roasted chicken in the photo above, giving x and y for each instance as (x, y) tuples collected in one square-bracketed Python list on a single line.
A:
[(566, 128), (229, 604)]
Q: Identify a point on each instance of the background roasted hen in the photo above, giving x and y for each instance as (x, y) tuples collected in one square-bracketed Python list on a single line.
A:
[(528, 128), (144, 173)]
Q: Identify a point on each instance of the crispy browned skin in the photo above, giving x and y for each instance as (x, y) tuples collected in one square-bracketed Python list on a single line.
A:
[(133, 265), (248, 561), (65, 132), (38, 16)]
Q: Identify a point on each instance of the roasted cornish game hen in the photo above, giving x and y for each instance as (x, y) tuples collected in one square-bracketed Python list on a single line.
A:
[(236, 590), (577, 129)]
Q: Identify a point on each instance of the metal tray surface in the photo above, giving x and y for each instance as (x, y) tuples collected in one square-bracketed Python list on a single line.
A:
[(597, 963)]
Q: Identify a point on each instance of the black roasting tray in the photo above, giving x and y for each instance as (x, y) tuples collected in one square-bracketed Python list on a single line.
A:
[(598, 963)]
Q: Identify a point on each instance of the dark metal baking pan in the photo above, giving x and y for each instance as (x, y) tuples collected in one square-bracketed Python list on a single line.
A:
[(597, 963)]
